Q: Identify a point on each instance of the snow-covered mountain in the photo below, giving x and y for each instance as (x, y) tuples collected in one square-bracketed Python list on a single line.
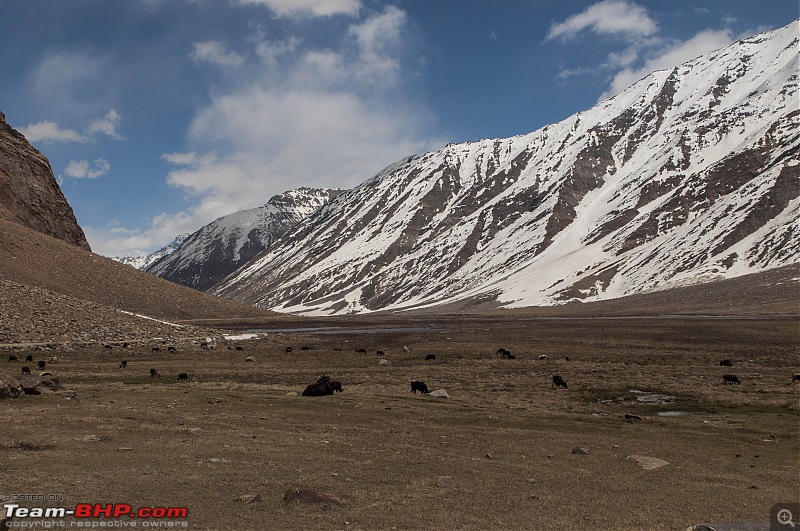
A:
[(218, 249), (143, 262), (689, 175)]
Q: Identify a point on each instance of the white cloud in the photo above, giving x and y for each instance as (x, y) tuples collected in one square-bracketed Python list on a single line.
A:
[(300, 8), (50, 132), (106, 125), (305, 116), (80, 169), (670, 56), (378, 38), (214, 52), (74, 83), (609, 17), (272, 52)]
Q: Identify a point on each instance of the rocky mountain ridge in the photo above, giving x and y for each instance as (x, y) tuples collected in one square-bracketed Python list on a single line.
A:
[(218, 249), (689, 175)]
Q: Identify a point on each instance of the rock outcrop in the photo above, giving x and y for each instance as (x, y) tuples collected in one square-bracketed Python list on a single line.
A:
[(29, 193)]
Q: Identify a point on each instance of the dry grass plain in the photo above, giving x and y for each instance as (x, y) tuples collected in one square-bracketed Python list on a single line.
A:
[(496, 455)]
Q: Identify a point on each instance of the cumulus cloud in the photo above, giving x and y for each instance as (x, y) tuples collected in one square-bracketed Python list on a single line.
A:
[(311, 121), (46, 132), (214, 52), (301, 8), (610, 17), (80, 169), (378, 38), (306, 116), (106, 125)]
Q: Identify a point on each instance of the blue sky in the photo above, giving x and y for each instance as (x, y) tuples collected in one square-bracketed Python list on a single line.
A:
[(159, 116)]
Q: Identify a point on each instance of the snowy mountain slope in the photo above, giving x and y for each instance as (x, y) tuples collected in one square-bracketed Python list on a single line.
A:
[(143, 262), (218, 249), (689, 175)]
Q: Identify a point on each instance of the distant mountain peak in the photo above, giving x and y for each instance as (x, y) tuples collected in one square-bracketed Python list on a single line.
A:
[(142, 262), (219, 248)]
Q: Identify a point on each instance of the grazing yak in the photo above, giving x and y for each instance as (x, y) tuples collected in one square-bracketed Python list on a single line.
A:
[(156, 349), (725, 363), (123, 364), (154, 374), (28, 358), (322, 387), (380, 353), (172, 350), (795, 378), (40, 365), (239, 347), (13, 358), (337, 386), (26, 370), (360, 350), (430, 357), (182, 376), (107, 347), (304, 348), (558, 381), (288, 349), (417, 385), (731, 379)]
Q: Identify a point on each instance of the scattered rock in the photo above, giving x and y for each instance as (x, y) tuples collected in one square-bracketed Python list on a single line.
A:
[(441, 393), (250, 358), (384, 362), (125, 448), (648, 463), (92, 438), (310, 496), (580, 451), (250, 498), (41, 385), (445, 481), (9, 386), (489, 456)]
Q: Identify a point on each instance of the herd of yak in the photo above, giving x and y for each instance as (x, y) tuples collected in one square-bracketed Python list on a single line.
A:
[(325, 386)]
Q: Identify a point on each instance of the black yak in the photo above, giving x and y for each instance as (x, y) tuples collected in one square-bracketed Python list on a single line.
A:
[(417, 385), (730, 379), (558, 381), (322, 387)]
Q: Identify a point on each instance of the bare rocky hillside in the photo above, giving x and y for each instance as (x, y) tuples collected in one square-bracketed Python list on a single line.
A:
[(29, 193)]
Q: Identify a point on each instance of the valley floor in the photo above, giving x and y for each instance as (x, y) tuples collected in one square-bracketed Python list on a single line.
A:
[(497, 454)]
